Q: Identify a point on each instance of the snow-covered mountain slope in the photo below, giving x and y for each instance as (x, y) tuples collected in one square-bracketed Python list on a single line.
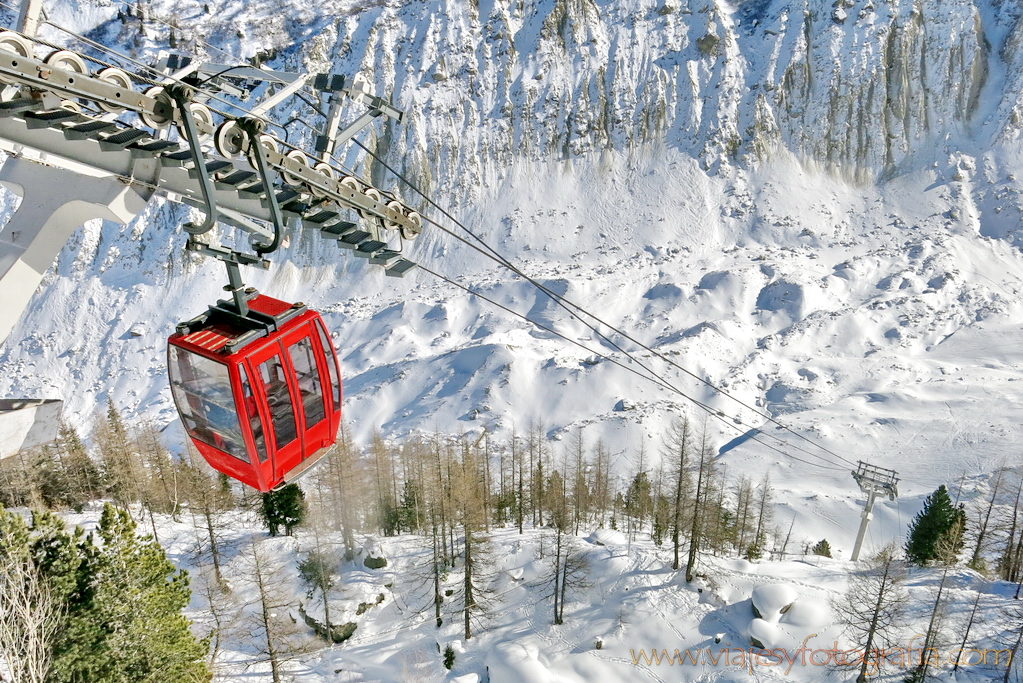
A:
[(813, 206)]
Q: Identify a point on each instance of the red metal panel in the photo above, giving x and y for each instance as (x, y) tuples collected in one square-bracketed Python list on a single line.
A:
[(211, 338), (269, 306)]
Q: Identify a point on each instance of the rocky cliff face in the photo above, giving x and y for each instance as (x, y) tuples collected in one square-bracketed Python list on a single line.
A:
[(860, 88)]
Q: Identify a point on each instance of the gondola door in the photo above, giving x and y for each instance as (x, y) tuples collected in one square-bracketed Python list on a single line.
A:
[(312, 380), (274, 385)]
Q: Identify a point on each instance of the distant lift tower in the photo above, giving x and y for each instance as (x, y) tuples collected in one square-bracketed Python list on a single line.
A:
[(872, 480)]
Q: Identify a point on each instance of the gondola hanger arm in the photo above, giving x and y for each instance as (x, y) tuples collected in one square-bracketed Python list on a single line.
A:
[(182, 95)]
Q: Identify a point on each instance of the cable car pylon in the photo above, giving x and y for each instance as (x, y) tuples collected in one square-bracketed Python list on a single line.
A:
[(873, 481)]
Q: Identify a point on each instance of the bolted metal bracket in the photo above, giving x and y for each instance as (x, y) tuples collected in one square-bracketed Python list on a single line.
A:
[(232, 259)]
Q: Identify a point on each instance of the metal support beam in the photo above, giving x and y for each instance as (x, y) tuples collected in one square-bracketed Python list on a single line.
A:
[(28, 17), (872, 480), (325, 144), (55, 203), (236, 287), (27, 423), (279, 96), (253, 129), (232, 259), (182, 94), (350, 132), (865, 517), (74, 85)]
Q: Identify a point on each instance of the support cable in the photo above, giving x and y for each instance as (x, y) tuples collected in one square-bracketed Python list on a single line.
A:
[(650, 377), (663, 382), (558, 300), (492, 254)]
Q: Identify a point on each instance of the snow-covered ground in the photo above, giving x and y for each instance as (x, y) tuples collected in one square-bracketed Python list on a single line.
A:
[(629, 601)]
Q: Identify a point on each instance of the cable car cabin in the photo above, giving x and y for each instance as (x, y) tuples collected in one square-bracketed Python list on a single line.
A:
[(259, 391)]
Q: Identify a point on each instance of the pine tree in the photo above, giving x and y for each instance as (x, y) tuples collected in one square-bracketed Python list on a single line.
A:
[(678, 444), (411, 510), (30, 611), (119, 462), (467, 500), (704, 483), (50, 479), (86, 482), (343, 477), (755, 550), (283, 507), (280, 636), (209, 496), (138, 597), (69, 561), (319, 570), (121, 619), (637, 500), (946, 554), (872, 610), (822, 548), (449, 657), (938, 516)]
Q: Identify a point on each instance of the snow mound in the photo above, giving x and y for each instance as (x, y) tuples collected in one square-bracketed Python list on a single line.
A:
[(741, 565), (606, 537), (808, 612), (765, 634), (518, 662), (782, 296), (773, 600)]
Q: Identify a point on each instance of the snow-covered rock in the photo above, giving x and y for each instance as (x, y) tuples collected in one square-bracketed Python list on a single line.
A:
[(773, 600), (764, 634), (808, 613)]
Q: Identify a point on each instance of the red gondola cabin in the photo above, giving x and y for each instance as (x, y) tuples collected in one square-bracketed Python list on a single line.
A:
[(259, 391)]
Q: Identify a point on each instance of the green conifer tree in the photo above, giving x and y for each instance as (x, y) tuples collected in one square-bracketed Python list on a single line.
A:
[(117, 457), (449, 657), (139, 597), (822, 548), (283, 507), (85, 481), (410, 512), (939, 515), (122, 601)]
